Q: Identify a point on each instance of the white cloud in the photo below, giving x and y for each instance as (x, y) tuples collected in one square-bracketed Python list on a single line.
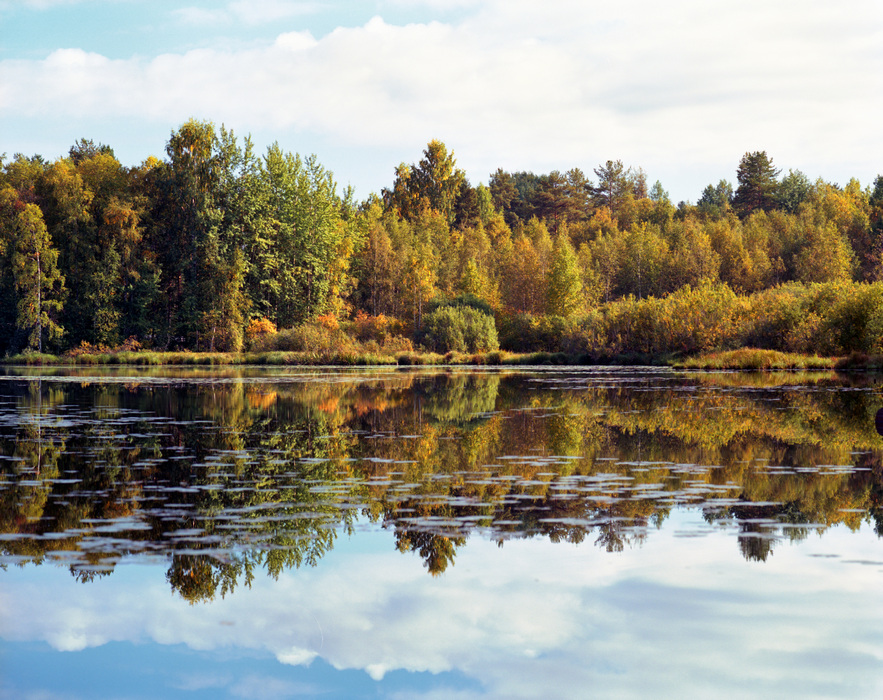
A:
[(681, 88), (295, 41)]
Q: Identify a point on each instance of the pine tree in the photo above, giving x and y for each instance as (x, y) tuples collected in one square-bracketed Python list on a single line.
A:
[(758, 187)]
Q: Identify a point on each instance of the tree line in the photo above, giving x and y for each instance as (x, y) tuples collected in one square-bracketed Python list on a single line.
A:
[(186, 252)]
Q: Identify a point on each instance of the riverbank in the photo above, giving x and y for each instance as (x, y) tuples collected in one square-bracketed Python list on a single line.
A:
[(741, 359), (343, 359)]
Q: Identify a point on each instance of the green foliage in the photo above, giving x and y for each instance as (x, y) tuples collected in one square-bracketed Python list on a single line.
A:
[(616, 184), (309, 237), (463, 300), (528, 333), (793, 190), (716, 200), (460, 328), (433, 184), (564, 287), (38, 281), (758, 187)]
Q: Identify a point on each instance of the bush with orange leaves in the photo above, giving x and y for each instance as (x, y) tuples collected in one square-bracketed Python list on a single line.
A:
[(328, 321), (258, 332), (130, 344), (378, 328)]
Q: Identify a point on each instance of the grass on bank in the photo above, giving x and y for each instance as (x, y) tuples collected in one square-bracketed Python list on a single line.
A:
[(756, 359), (741, 359)]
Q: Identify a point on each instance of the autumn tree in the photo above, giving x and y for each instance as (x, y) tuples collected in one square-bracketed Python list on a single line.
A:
[(608, 252), (824, 256), (375, 267), (693, 258), (434, 183), (564, 289), (95, 217), (848, 209), (10, 205), (37, 280), (645, 263), (524, 278)]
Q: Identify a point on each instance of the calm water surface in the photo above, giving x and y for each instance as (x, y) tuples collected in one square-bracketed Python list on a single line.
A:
[(465, 534)]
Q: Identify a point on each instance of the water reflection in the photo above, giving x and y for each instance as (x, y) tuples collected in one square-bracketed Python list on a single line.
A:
[(226, 475)]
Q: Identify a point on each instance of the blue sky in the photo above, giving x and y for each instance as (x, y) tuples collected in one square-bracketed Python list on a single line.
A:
[(682, 88)]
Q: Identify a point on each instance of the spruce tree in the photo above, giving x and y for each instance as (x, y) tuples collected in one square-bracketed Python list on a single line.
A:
[(758, 187)]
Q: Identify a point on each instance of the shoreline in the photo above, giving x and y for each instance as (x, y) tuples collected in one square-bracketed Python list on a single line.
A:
[(741, 359)]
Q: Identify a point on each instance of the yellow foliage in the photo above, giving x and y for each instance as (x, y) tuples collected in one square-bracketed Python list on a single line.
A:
[(259, 327), (328, 321)]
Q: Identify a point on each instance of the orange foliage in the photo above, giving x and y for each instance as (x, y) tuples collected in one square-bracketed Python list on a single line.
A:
[(130, 344), (261, 400), (259, 327), (328, 321)]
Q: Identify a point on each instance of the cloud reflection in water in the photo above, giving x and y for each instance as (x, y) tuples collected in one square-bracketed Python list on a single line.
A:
[(685, 617)]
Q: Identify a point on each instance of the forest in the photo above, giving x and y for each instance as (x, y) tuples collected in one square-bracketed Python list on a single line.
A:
[(219, 249)]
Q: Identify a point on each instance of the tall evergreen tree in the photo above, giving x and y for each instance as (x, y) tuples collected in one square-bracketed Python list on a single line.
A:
[(758, 187)]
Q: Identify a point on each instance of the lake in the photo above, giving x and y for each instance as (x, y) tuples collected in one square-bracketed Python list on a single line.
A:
[(531, 533)]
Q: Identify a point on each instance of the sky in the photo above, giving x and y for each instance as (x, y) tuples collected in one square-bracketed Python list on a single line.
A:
[(681, 89)]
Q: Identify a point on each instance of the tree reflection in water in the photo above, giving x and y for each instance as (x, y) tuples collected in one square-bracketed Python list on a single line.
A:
[(227, 476)]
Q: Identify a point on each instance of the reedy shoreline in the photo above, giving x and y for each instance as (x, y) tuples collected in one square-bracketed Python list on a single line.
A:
[(741, 359)]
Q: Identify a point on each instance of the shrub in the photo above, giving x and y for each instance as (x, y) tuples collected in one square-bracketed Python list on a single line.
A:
[(314, 336), (366, 327), (394, 344), (257, 332), (834, 318), (85, 348), (462, 301), (528, 333), (697, 319), (773, 315), (443, 330), (460, 329)]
